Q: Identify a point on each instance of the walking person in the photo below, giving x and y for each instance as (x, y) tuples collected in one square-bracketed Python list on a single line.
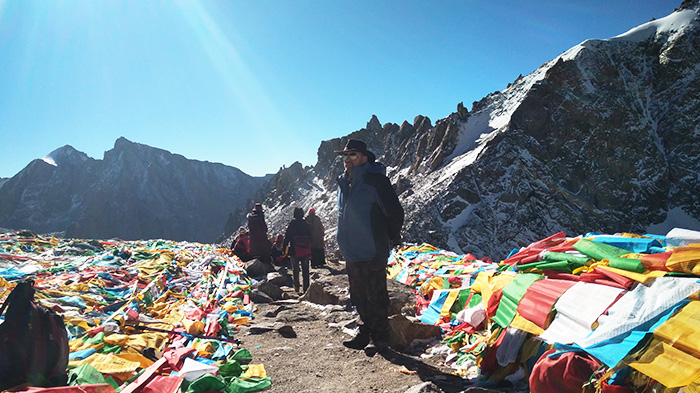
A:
[(318, 252), (258, 244), (298, 238), (370, 218)]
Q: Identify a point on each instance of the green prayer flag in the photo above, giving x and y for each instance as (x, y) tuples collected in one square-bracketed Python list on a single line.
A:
[(574, 260), (602, 251), (629, 264), (88, 375), (248, 385), (205, 383), (475, 300), (230, 369), (512, 293), (598, 251), (96, 339), (242, 356)]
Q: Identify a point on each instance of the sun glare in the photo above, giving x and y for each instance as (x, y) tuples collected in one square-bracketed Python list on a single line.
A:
[(240, 80)]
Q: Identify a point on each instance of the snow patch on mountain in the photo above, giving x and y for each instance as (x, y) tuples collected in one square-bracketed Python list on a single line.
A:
[(484, 123), (675, 23), (49, 160), (64, 154), (675, 218)]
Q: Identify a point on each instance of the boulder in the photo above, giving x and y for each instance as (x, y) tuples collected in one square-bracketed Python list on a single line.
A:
[(402, 331), (259, 297), (401, 297), (270, 289), (334, 289), (317, 294), (283, 329), (278, 279), (296, 315), (286, 331), (273, 313), (425, 387), (257, 268)]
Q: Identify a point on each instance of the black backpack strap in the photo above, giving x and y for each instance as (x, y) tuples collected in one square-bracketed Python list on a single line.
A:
[(24, 288)]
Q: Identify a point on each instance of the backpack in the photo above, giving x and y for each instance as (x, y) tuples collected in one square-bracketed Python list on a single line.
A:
[(33, 342)]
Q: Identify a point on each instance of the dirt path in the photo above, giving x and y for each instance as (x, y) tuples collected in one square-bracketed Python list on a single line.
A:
[(316, 361)]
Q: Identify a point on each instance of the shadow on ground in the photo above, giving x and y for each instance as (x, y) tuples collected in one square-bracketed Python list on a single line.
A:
[(448, 383)]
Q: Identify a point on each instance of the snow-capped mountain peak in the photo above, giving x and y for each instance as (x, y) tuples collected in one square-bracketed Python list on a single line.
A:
[(674, 23), (65, 154)]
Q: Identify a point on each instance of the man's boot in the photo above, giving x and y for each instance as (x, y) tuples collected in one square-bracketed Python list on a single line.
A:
[(358, 342), (376, 346)]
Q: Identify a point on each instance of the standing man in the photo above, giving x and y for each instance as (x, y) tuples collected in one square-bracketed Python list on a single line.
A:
[(298, 237), (370, 218)]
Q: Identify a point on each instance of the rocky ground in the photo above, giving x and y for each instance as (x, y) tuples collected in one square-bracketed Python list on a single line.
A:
[(299, 341)]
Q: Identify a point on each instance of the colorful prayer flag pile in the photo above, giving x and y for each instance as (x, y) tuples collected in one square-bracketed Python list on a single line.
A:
[(627, 303), (610, 313), (141, 315)]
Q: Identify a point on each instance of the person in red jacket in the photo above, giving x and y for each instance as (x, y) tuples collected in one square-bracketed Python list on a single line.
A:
[(241, 245), (298, 238), (277, 253)]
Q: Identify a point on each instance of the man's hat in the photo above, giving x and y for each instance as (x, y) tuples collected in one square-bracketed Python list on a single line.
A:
[(258, 207), (357, 146)]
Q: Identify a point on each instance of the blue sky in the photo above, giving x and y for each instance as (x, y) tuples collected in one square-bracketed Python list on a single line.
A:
[(259, 84)]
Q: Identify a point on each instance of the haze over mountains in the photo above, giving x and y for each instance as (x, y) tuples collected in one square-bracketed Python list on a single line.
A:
[(606, 138)]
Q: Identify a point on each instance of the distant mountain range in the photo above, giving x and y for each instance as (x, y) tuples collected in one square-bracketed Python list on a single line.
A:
[(605, 138), (135, 192)]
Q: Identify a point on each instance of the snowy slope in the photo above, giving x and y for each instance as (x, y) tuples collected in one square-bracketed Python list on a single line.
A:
[(605, 137)]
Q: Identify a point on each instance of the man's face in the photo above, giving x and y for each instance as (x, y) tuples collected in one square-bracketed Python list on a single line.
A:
[(352, 160)]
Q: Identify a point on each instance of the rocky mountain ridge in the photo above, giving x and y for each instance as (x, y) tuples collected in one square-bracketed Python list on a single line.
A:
[(603, 138), (135, 192)]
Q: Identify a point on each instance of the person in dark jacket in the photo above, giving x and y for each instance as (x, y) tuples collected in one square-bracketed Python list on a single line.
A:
[(318, 253), (298, 238), (370, 218), (258, 244)]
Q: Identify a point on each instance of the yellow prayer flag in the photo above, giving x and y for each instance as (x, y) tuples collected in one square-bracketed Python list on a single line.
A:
[(519, 322), (255, 371)]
